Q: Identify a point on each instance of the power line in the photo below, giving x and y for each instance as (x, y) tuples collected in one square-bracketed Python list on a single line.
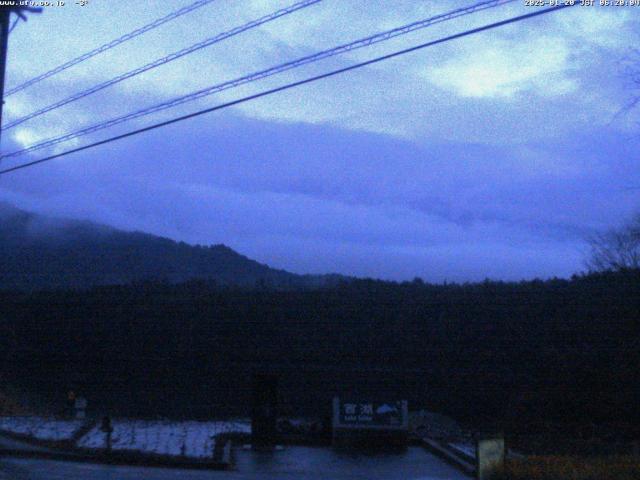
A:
[(166, 59), (13, 25), (293, 85), (110, 45), (364, 42)]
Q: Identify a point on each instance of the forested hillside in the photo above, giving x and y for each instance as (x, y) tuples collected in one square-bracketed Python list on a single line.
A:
[(522, 353), (41, 252)]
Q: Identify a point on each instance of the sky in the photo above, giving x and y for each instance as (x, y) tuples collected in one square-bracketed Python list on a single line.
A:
[(493, 156)]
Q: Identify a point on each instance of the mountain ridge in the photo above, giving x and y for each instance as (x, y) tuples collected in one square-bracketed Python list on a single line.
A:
[(41, 252)]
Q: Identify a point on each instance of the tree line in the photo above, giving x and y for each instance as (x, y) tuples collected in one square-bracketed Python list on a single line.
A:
[(518, 353)]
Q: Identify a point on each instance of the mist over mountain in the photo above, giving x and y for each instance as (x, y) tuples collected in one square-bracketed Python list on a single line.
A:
[(40, 252)]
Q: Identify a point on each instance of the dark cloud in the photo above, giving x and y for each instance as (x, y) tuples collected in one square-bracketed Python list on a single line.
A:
[(499, 154), (321, 198)]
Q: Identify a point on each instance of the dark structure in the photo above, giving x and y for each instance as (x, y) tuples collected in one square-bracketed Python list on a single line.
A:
[(264, 413)]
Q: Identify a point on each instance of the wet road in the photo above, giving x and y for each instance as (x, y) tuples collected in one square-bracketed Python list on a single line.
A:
[(6, 442), (300, 463)]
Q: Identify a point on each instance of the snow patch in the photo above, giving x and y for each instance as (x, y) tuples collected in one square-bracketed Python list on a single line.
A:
[(186, 439), (41, 428)]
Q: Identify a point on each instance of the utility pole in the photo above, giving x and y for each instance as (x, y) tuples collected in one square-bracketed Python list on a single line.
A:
[(5, 19)]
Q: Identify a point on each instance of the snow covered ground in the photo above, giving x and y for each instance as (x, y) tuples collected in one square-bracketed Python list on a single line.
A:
[(188, 439), (162, 437), (41, 428)]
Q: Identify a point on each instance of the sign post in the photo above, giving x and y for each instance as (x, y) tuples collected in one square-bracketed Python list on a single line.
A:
[(370, 423), (265, 412), (107, 428), (80, 407)]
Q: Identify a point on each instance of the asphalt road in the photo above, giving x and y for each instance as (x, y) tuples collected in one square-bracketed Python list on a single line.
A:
[(300, 463), (6, 442)]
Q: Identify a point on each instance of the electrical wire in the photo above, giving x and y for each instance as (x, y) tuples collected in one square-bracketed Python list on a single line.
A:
[(166, 59), (110, 45), (13, 25), (361, 43), (293, 85)]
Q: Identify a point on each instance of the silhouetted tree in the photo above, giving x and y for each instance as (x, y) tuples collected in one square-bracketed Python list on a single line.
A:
[(616, 249)]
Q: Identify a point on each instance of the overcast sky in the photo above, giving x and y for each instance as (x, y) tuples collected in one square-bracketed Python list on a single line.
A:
[(491, 156)]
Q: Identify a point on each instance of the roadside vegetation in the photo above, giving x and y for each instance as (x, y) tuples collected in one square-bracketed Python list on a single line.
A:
[(572, 468)]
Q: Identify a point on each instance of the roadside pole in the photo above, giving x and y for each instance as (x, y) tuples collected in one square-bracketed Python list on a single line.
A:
[(5, 20)]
